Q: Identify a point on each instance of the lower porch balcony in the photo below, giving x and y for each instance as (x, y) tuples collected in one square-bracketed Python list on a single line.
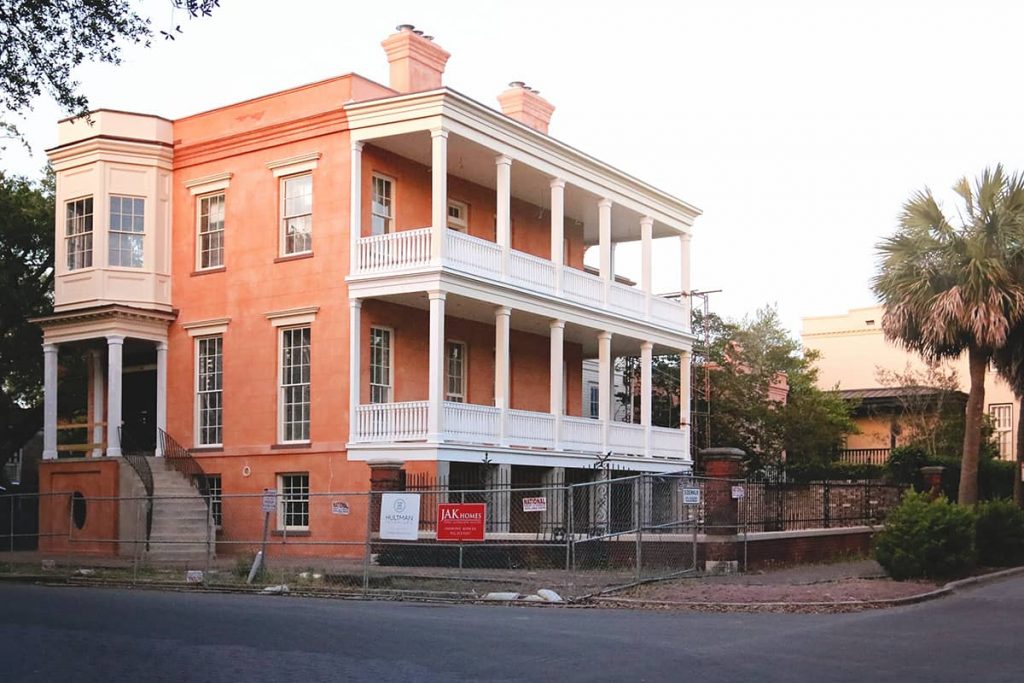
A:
[(479, 425)]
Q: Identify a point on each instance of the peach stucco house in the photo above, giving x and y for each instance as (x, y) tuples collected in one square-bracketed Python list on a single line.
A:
[(304, 284), (853, 348)]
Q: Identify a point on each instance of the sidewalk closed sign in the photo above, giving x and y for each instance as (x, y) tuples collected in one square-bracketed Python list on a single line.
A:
[(691, 496), (461, 521), (269, 500), (400, 516)]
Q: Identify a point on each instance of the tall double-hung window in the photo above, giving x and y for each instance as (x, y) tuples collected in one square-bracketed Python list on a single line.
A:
[(210, 221), (380, 365), (383, 209), (209, 391), (297, 214), (455, 372), (78, 233), (294, 391), (127, 231)]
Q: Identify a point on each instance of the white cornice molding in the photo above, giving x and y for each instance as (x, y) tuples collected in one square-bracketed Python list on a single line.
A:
[(292, 316), (205, 328), (209, 183), (296, 164)]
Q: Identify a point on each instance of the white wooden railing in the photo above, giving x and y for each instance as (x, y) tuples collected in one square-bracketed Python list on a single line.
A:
[(467, 423), (411, 249), (387, 422)]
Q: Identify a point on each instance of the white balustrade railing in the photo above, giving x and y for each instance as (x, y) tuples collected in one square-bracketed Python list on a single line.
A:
[(471, 423), (582, 287), (667, 311), (531, 272), (394, 251), (472, 254), (526, 428), (627, 299), (625, 438), (581, 434), (670, 443), (387, 422)]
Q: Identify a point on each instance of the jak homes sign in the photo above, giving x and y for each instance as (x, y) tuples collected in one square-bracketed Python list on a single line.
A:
[(461, 521)]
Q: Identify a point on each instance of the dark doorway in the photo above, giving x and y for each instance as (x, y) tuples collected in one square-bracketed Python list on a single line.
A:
[(138, 409)]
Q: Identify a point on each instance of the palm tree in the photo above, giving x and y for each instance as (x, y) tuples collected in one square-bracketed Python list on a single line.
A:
[(1009, 362), (949, 288)]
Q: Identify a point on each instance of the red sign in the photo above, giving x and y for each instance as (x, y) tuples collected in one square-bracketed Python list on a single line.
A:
[(461, 521)]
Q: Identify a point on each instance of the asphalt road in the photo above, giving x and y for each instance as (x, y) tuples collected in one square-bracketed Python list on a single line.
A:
[(85, 634)]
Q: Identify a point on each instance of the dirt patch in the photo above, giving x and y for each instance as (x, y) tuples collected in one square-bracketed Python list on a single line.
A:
[(838, 591)]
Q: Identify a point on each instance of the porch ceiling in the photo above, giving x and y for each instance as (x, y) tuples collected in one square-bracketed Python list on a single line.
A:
[(475, 163), (483, 312)]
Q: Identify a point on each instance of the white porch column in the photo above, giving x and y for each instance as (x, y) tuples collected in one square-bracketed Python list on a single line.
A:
[(502, 324), (553, 480), (355, 207), (646, 363), (604, 390), (557, 399), (115, 352), (435, 373), (684, 389), (49, 401), (355, 340), (604, 236), (503, 232), (684, 276), (161, 394), (98, 410), (438, 192), (646, 234), (499, 481), (558, 229)]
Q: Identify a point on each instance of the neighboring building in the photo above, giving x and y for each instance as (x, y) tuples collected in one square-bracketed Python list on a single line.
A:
[(309, 281), (591, 406), (853, 348)]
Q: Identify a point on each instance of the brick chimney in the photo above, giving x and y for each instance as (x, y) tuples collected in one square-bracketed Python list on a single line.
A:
[(417, 62), (525, 105)]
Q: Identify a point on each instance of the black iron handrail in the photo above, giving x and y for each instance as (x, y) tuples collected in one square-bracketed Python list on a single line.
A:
[(136, 457), (179, 457)]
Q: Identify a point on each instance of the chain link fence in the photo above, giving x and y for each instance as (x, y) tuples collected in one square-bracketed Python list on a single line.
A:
[(434, 539)]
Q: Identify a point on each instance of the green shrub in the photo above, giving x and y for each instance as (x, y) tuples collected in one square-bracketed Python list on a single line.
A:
[(1000, 533), (926, 538), (995, 478), (836, 471), (905, 463)]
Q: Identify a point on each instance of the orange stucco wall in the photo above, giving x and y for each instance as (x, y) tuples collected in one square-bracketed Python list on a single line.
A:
[(97, 480)]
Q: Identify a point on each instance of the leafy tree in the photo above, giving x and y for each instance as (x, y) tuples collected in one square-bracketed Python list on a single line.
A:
[(934, 420), (44, 40), (26, 284), (950, 286)]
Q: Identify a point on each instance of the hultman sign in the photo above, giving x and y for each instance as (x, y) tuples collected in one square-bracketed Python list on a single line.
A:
[(461, 521)]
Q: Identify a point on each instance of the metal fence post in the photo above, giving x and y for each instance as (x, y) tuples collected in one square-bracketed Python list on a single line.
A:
[(638, 489), (368, 543), (827, 501), (12, 528)]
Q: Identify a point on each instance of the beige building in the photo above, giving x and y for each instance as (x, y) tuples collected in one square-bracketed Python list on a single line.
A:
[(853, 350)]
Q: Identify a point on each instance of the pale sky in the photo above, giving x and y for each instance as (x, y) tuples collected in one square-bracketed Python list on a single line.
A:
[(799, 128)]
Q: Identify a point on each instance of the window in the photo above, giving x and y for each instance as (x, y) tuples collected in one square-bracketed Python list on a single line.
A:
[(1002, 422), (455, 371), (209, 391), (127, 226), (293, 502), (380, 365), (297, 214), (211, 231), (458, 216), (383, 206), (593, 400), (214, 483), (295, 384), (78, 233)]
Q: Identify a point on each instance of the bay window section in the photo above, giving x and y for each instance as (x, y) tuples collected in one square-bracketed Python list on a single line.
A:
[(78, 233), (127, 228)]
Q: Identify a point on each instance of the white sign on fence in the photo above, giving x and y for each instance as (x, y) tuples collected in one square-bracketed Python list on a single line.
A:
[(538, 504), (738, 492), (269, 500), (691, 496), (400, 516)]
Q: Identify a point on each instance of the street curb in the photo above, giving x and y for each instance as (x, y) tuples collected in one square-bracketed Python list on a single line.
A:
[(837, 606)]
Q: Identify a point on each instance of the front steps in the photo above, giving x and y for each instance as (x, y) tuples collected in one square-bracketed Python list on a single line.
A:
[(182, 529)]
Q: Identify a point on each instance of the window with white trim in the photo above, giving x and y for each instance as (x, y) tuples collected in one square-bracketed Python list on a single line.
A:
[(209, 391), (458, 216), (383, 207), (297, 214), (213, 483), (78, 233), (127, 228), (294, 395), (293, 501), (593, 400), (210, 219), (1002, 422), (455, 372), (380, 365)]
